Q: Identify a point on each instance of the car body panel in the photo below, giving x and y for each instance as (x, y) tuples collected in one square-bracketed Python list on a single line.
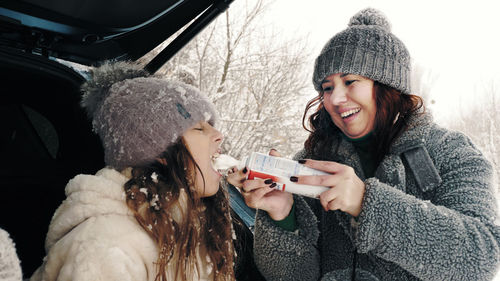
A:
[(91, 32)]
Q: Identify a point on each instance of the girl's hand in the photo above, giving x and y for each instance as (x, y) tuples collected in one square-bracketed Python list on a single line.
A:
[(237, 177), (260, 194), (346, 192)]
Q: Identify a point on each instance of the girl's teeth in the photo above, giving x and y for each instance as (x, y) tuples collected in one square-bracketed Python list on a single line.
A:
[(214, 158)]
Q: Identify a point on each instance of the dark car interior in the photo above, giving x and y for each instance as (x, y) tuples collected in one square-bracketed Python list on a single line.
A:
[(45, 137), (45, 140)]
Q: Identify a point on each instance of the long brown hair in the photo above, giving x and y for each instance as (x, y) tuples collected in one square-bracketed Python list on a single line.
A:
[(165, 203), (393, 110)]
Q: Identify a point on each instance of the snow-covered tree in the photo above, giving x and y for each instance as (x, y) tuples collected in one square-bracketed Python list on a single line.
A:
[(479, 118), (256, 80), (423, 79)]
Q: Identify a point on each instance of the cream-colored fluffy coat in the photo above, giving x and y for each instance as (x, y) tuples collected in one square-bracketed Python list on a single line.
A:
[(94, 236)]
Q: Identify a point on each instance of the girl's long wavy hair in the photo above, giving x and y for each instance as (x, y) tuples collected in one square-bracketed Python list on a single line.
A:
[(391, 119), (164, 201)]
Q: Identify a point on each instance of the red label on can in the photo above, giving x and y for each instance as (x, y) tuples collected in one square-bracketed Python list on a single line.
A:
[(259, 175), (253, 175)]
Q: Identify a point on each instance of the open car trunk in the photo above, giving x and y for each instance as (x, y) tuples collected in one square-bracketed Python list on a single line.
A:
[(45, 140), (89, 32), (45, 136)]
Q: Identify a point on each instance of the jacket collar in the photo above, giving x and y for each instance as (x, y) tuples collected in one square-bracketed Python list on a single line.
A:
[(415, 135)]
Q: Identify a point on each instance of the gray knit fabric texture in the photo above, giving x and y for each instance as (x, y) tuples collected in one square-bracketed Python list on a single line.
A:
[(367, 48), (404, 232), (138, 116)]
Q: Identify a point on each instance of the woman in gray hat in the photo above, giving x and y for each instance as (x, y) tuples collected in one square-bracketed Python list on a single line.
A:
[(409, 200), (156, 212)]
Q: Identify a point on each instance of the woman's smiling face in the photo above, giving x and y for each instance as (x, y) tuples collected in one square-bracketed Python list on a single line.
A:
[(203, 142), (350, 101)]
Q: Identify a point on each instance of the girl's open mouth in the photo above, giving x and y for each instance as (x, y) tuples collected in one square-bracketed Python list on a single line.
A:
[(213, 159)]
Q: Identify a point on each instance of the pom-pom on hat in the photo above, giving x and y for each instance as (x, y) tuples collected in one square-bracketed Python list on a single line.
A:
[(137, 116), (367, 48)]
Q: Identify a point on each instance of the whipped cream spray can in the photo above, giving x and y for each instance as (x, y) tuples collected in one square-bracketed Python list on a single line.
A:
[(279, 170)]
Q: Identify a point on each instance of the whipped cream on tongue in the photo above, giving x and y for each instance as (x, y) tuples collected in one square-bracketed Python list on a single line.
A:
[(224, 162)]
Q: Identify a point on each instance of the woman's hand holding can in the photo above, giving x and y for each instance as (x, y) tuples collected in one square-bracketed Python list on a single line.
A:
[(346, 188)]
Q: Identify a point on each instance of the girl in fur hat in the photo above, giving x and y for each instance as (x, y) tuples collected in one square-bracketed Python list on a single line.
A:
[(156, 212)]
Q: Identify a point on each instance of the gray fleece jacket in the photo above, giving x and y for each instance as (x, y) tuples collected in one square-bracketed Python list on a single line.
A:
[(446, 231)]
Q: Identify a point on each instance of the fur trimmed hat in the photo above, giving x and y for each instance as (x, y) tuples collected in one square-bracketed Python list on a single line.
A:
[(367, 48), (137, 116)]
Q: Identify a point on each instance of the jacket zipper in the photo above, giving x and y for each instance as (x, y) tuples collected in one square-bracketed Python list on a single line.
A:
[(354, 261)]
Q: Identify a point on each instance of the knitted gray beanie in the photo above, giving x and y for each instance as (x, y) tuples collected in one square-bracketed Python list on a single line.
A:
[(367, 48), (138, 116)]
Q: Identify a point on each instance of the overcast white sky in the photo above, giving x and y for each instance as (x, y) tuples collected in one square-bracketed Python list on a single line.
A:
[(458, 40)]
